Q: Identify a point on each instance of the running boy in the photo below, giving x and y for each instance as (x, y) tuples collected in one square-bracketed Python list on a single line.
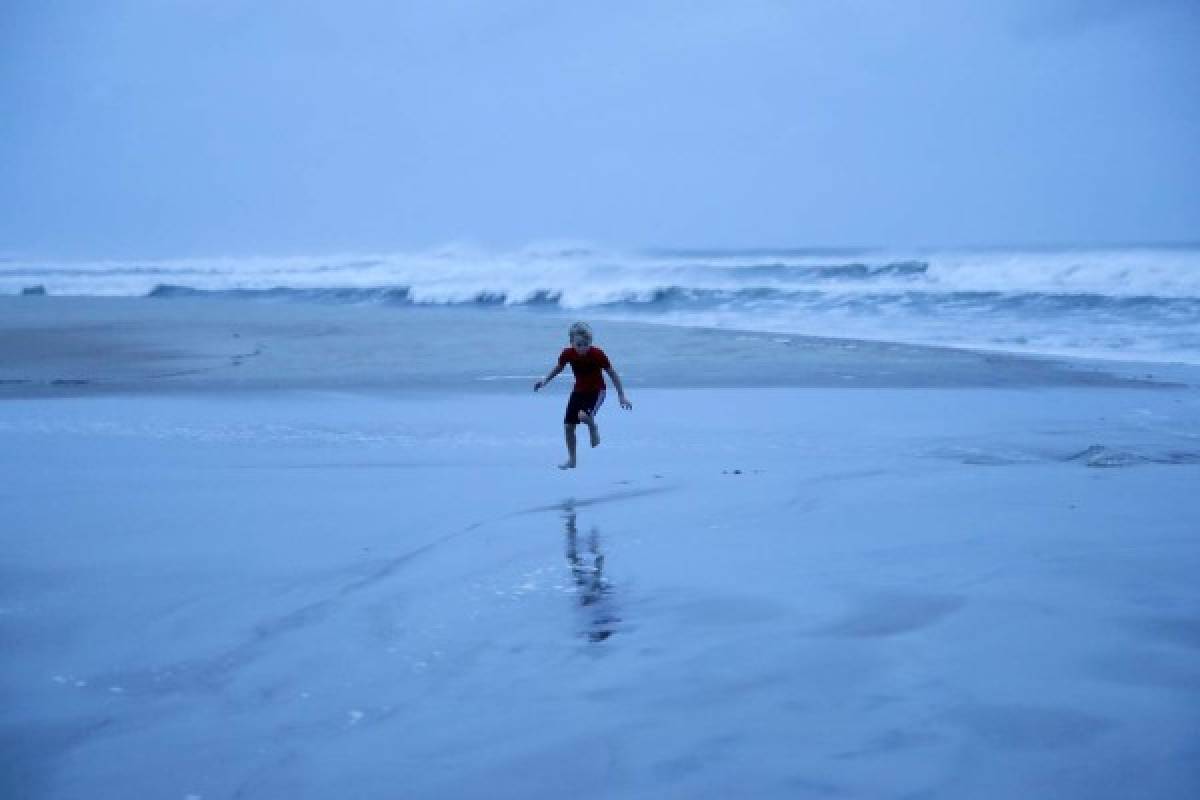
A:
[(588, 395)]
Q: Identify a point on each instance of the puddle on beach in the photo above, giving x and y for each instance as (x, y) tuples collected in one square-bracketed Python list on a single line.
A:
[(586, 563)]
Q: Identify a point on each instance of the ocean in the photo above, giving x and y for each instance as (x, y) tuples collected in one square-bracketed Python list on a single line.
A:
[(1135, 304)]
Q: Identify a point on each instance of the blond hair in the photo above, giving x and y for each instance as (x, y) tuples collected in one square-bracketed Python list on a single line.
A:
[(580, 330)]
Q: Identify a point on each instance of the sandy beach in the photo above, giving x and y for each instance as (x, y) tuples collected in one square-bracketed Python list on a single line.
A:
[(276, 549), (894, 492), (88, 346)]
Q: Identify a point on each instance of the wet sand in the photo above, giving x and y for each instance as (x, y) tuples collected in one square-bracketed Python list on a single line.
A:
[(283, 550), (68, 346)]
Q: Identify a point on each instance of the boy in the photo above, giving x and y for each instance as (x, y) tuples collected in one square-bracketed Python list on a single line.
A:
[(588, 395)]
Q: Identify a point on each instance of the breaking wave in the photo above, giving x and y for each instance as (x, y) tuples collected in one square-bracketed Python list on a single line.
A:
[(1132, 303)]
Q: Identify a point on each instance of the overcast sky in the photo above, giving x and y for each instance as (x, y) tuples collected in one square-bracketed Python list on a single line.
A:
[(204, 127)]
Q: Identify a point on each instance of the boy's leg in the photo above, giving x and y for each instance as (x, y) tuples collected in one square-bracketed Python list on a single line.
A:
[(588, 417), (593, 431), (569, 431)]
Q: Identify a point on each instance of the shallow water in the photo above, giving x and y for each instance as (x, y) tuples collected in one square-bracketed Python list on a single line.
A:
[(874, 593)]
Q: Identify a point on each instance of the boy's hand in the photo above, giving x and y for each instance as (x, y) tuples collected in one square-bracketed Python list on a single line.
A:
[(625, 404)]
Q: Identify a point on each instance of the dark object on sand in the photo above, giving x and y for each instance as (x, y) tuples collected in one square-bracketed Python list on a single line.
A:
[(33, 291)]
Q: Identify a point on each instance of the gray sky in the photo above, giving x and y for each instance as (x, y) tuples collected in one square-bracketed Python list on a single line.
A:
[(204, 127)]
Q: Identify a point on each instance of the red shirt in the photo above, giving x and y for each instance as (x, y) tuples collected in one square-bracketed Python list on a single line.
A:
[(588, 377)]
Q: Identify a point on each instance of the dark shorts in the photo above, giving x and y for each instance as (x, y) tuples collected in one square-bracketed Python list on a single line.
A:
[(588, 402)]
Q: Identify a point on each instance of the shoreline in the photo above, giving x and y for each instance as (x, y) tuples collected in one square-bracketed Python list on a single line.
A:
[(83, 346)]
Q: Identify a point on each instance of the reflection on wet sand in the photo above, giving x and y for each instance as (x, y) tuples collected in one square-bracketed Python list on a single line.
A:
[(594, 590)]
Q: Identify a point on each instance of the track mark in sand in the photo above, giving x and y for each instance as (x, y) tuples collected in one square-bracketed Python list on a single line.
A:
[(572, 503), (1155, 668), (1036, 728), (345, 465), (212, 673), (807, 502), (235, 360), (1182, 631), (838, 477), (893, 613), (985, 456), (891, 742), (1096, 455), (1099, 455), (32, 749)]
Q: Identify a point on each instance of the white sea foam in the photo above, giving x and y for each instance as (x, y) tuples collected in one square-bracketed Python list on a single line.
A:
[(1138, 303)]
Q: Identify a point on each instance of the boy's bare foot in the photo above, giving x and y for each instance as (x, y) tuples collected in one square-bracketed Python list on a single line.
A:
[(594, 432), (567, 465)]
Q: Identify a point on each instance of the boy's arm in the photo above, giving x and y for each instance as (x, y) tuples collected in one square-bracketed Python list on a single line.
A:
[(616, 379), (549, 377)]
